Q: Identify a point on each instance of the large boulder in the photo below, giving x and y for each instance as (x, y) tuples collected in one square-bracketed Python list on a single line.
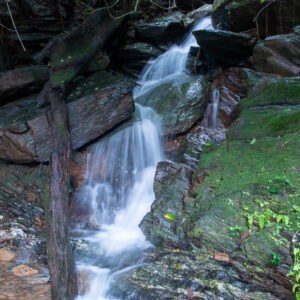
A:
[(163, 30), (240, 15), (19, 82), (180, 102), (279, 54), (96, 106), (224, 47)]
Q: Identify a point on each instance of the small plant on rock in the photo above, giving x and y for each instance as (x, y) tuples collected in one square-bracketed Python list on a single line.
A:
[(235, 231), (275, 260)]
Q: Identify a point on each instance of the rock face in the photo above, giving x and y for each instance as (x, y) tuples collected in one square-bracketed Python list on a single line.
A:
[(133, 57), (25, 132), (161, 30), (180, 102), (223, 47), (21, 213), (171, 184), (209, 212), (22, 81), (279, 54), (239, 16)]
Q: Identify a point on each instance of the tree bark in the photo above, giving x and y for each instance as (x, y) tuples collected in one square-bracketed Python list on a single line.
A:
[(60, 255)]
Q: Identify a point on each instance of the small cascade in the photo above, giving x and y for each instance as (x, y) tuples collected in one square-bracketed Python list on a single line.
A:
[(118, 191), (170, 64), (215, 106), (211, 114)]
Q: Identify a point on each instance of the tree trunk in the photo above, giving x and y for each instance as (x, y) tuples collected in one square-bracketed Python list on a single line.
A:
[(60, 255)]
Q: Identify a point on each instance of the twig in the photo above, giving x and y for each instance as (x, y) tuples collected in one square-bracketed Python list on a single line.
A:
[(162, 7), (14, 25), (286, 142), (259, 13), (7, 28), (126, 14)]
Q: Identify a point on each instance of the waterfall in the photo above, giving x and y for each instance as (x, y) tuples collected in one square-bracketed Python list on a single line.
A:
[(171, 63), (118, 191), (215, 106)]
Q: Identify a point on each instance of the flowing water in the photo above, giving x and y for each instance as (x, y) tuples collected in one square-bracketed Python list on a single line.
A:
[(118, 191), (215, 106)]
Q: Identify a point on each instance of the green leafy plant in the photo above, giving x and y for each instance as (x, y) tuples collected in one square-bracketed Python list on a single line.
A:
[(295, 272), (235, 231), (276, 258)]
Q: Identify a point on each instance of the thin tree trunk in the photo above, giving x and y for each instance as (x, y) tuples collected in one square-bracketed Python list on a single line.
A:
[(60, 255)]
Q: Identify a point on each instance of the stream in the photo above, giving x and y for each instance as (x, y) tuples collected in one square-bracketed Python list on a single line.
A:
[(118, 191)]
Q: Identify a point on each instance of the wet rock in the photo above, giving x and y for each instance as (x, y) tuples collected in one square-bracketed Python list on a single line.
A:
[(180, 102), (239, 16), (7, 255), (22, 81), (171, 185), (27, 288), (133, 57), (195, 15), (227, 90), (161, 30), (24, 271), (278, 54), (24, 128), (219, 47), (186, 275)]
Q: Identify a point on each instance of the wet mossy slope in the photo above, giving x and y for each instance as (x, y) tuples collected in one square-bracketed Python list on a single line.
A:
[(249, 203)]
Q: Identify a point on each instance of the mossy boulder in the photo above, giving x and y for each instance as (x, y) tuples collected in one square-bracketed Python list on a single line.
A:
[(180, 101), (162, 30)]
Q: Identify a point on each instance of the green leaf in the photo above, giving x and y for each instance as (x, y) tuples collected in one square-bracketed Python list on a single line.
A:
[(169, 216), (261, 221), (253, 141), (273, 191)]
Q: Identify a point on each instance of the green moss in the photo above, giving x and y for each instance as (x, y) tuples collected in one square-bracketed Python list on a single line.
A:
[(73, 53), (266, 122), (61, 78), (275, 91)]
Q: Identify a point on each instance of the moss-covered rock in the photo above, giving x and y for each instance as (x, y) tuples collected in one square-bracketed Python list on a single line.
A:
[(180, 101)]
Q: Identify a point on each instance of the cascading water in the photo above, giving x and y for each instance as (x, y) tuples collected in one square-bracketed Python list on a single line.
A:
[(170, 64), (215, 106), (119, 188)]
